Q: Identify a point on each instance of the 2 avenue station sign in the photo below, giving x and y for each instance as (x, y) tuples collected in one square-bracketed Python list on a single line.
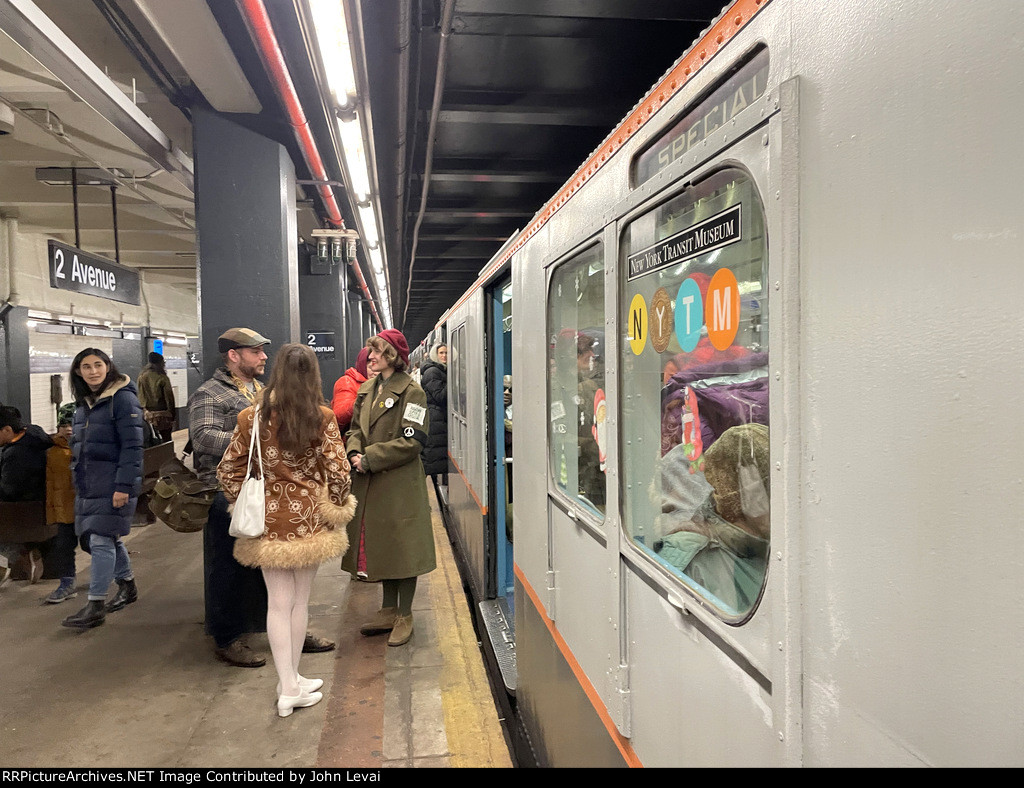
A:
[(81, 272)]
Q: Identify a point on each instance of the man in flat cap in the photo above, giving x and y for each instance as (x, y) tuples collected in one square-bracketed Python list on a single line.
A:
[(236, 596)]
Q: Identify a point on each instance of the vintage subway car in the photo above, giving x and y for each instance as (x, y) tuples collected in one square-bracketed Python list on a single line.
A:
[(767, 490)]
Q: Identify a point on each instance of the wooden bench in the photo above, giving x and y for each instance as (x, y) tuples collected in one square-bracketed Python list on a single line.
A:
[(153, 459), (24, 521)]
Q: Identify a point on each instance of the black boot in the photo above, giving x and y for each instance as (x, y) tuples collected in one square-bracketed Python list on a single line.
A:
[(91, 615), (126, 594)]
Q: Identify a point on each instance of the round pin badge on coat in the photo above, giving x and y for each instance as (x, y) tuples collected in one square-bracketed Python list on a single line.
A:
[(389, 402), (408, 432)]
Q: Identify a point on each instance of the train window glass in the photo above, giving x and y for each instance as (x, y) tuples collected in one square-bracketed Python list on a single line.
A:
[(745, 85), (694, 398), (458, 364), (576, 359)]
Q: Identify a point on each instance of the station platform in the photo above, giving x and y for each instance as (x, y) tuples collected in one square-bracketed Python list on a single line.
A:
[(144, 690)]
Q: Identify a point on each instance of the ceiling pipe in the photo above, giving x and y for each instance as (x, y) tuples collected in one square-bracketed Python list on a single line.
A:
[(404, 42), (256, 17), (447, 12)]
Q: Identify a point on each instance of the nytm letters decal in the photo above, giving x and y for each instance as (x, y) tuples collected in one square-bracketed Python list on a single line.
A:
[(689, 314)]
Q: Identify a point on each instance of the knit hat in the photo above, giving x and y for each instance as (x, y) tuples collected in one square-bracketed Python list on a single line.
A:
[(239, 337), (66, 413), (361, 359), (746, 444), (397, 340)]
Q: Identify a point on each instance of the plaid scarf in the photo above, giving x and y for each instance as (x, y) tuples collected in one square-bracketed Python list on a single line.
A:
[(243, 388)]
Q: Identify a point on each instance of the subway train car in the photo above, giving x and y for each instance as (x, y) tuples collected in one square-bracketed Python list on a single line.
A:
[(756, 338)]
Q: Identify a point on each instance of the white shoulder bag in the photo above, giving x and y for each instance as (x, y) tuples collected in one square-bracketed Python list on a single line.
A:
[(249, 515)]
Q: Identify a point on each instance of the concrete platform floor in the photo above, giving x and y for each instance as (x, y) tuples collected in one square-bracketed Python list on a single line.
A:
[(144, 689)]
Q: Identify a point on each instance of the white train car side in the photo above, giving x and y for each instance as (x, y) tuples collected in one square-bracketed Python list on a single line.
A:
[(765, 434)]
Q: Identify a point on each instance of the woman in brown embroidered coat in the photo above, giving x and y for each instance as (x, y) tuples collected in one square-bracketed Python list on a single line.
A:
[(308, 505)]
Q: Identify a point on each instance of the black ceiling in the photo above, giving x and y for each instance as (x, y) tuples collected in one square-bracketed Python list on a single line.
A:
[(530, 89)]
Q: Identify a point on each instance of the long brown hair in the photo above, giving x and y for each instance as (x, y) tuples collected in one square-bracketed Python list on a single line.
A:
[(295, 395)]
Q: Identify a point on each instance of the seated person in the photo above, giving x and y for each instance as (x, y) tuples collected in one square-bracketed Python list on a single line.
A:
[(22, 475), (724, 546)]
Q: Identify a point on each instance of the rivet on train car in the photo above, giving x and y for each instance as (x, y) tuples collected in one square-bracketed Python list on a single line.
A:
[(778, 466), (778, 556), (778, 195), (778, 285), (781, 737), (778, 376), (764, 139), (780, 645)]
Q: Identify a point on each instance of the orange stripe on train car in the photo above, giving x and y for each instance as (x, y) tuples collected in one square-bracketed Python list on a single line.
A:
[(483, 509), (730, 23), (625, 748)]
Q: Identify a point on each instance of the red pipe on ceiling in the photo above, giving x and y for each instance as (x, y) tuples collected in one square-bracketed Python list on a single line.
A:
[(255, 13)]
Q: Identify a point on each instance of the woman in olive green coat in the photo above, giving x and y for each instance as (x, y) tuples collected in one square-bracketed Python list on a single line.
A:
[(389, 430)]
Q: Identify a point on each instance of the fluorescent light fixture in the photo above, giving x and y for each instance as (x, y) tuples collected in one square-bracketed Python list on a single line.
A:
[(335, 51), (369, 221), (355, 159), (376, 261)]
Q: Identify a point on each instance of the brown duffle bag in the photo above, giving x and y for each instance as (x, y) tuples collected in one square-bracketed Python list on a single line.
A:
[(180, 499)]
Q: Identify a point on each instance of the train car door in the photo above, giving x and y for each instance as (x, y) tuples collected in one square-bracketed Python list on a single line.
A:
[(498, 609)]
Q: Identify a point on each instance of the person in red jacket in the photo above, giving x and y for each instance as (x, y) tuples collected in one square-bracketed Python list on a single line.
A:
[(346, 388)]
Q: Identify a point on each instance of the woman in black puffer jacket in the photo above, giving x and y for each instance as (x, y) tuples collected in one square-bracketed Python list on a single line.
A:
[(106, 445), (434, 382)]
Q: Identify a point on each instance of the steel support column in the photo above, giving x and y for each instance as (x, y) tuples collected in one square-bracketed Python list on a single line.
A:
[(247, 262)]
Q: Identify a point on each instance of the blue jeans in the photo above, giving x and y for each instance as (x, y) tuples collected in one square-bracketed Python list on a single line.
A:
[(109, 562)]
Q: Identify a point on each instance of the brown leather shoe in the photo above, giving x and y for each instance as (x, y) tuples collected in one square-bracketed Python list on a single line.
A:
[(240, 655), (402, 631), (314, 645), (384, 621)]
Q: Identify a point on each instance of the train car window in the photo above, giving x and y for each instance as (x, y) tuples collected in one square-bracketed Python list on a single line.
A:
[(576, 360), (695, 390), (457, 363), (739, 89)]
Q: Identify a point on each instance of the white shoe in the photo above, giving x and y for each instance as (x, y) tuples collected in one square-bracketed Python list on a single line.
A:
[(305, 685), (288, 703)]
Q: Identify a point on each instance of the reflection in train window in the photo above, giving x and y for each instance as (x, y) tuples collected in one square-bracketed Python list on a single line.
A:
[(457, 371), (695, 389), (576, 360)]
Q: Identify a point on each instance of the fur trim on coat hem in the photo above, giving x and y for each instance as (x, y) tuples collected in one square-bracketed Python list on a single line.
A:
[(294, 554)]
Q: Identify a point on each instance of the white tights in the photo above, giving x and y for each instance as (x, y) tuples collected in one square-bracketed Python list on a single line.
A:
[(287, 618)]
